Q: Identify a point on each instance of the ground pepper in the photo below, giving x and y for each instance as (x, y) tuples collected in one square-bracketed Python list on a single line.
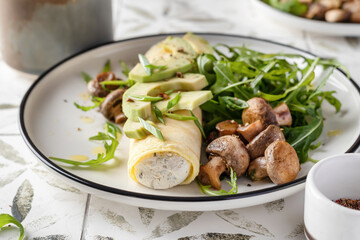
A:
[(349, 203)]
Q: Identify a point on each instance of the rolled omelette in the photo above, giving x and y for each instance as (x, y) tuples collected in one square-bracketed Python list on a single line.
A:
[(164, 164)]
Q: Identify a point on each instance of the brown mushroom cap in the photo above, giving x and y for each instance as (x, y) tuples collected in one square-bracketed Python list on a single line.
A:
[(111, 108), (250, 131), (210, 173), (283, 115), (233, 152), (259, 109), (355, 17), (282, 162), (258, 145), (257, 169), (330, 4), (96, 89), (316, 11), (227, 127), (352, 6)]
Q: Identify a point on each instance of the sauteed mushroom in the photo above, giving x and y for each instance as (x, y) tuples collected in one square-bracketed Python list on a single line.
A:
[(282, 162), (111, 108), (250, 131), (227, 127), (283, 115), (258, 145), (224, 152), (259, 109), (96, 89), (257, 169)]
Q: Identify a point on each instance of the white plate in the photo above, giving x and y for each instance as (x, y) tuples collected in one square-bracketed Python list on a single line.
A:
[(49, 123), (316, 26)]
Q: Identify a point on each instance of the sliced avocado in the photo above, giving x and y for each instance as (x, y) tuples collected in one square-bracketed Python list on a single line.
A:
[(135, 109), (135, 129), (199, 44), (174, 53), (188, 100)]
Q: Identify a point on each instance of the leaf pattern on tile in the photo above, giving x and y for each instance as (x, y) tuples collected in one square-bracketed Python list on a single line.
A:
[(54, 181), (41, 223), (7, 106), (117, 220), (21, 205), (10, 176), (218, 236), (353, 42), (53, 237), (239, 221), (8, 152), (297, 232), (173, 223), (98, 237), (146, 215), (275, 206)]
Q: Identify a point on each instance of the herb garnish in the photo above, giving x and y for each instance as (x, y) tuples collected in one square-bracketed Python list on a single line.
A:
[(152, 129), (87, 78), (8, 219), (145, 98), (158, 114), (96, 100), (107, 66), (126, 69), (112, 133), (115, 82), (179, 117), (232, 183), (198, 124), (148, 67), (173, 101)]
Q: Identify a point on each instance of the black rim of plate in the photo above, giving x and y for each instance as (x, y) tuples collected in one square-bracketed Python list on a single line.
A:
[(120, 192)]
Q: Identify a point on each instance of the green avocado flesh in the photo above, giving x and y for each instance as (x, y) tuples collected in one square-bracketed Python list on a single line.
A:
[(188, 101), (199, 44), (135, 109), (174, 53)]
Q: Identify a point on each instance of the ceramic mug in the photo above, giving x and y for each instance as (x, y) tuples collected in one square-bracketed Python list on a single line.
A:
[(331, 179), (36, 34)]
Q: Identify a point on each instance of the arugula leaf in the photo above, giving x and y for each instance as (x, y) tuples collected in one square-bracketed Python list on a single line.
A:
[(145, 98), (234, 104), (290, 6), (126, 69), (96, 100), (158, 114), (112, 134), (173, 101), (107, 66), (179, 117), (151, 129), (232, 183), (198, 124), (87, 78), (205, 64), (8, 219)]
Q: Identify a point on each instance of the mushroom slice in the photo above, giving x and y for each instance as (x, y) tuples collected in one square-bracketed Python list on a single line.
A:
[(251, 130), (337, 15), (257, 169), (352, 6), (111, 108), (225, 152), (258, 145), (227, 127), (259, 109), (316, 11), (283, 115), (210, 173), (330, 4), (96, 89), (282, 162)]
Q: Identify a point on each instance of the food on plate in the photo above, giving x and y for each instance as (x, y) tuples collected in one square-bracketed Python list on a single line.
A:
[(328, 10), (259, 113), (224, 153), (349, 203)]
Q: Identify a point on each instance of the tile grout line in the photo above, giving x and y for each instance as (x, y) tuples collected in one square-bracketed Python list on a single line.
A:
[(9, 134), (87, 205)]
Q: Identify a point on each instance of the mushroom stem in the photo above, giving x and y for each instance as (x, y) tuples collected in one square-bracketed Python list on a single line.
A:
[(283, 115), (210, 173), (250, 131)]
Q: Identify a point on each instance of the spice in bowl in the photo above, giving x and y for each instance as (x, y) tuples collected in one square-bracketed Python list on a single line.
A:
[(349, 203)]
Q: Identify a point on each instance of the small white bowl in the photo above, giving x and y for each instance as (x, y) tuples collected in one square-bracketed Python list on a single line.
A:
[(332, 178)]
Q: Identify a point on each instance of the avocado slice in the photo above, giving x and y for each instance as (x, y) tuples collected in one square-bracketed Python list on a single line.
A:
[(174, 53), (199, 44), (135, 109), (188, 101)]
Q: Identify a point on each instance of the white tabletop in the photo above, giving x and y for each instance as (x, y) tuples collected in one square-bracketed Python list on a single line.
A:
[(52, 209)]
